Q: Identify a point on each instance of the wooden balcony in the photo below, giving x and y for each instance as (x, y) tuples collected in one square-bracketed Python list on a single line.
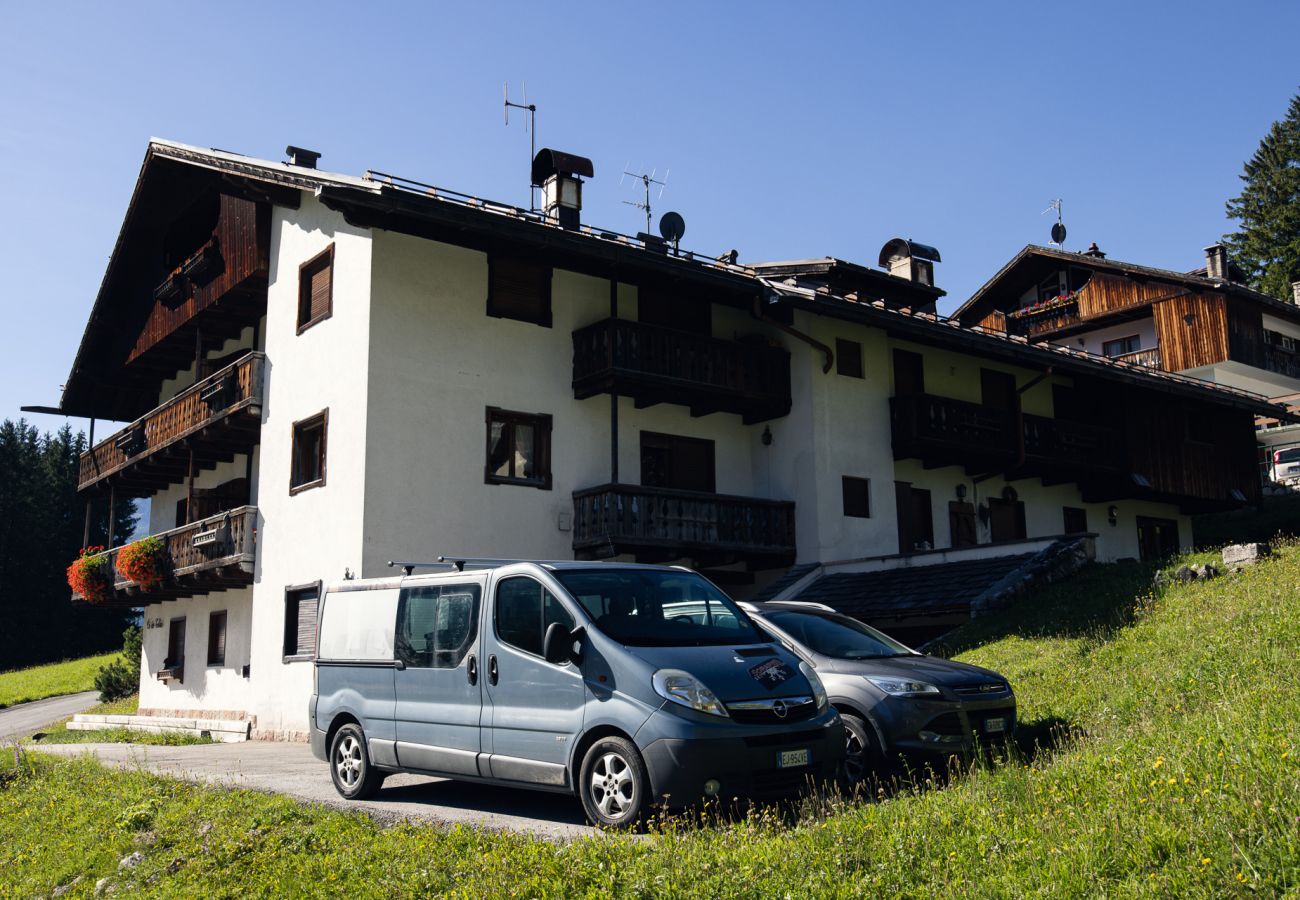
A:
[(1033, 324), (215, 418), (659, 365), (1149, 358), (1060, 450), (942, 431), (659, 524), (213, 554)]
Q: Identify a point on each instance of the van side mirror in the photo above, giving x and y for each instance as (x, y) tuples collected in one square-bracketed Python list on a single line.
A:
[(557, 645)]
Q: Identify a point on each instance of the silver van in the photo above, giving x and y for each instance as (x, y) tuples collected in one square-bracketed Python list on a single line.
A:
[(633, 686)]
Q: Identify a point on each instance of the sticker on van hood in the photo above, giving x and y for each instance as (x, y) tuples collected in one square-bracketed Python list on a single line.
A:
[(771, 673)]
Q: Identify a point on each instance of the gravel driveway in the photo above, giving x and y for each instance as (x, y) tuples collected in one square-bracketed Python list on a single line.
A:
[(290, 769)]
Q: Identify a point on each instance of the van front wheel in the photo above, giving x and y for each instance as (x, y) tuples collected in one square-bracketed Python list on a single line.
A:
[(613, 783), (354, 777)]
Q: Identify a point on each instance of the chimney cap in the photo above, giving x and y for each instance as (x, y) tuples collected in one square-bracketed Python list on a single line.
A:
[(299, 156), (1094, 251), (550, 162), (907, 247)]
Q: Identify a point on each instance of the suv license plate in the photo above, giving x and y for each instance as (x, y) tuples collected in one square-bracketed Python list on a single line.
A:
[(993, 725), (789, 759)]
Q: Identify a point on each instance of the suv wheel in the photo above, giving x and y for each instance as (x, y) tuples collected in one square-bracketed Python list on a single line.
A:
[(861, 752), (613, 783), (353, 775)]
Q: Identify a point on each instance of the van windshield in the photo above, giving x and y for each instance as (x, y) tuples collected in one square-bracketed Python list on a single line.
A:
[(659, 608)]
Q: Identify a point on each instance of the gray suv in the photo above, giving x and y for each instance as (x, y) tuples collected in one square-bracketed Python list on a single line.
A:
[(892, 699)]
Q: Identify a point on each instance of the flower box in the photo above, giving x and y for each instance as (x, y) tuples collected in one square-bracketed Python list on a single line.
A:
[(204, 265), (91, 575), (145, 562)]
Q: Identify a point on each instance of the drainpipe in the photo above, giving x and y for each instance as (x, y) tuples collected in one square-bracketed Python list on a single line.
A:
[(613, 394), (757, 312)]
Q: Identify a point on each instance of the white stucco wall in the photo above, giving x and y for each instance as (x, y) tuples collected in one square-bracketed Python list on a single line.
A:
[(1092, 341), (316, 533), (205, 687)]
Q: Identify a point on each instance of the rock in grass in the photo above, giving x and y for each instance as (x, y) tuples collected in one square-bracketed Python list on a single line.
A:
[(1185, 573), (130, 862), (64, 888), (1245, 554)]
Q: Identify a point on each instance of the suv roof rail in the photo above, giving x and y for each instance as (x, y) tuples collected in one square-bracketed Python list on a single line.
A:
[(806, 604), (459, 563)]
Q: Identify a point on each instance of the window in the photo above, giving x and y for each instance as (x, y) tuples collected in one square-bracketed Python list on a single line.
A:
[(1050, 287), (998, 389), (316, 289), (308, 453), (1076, 520), (174, 664), (437, 624), (518, 448), (1129, 344), (680, 463), (524, 610), (519, 289), (857, 497), (300, 605), (909, 373), (915, 518), (848, 358), (217, 639)]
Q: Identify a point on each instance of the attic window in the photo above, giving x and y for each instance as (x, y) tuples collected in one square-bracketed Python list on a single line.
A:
[(848, 358), (316, 289)]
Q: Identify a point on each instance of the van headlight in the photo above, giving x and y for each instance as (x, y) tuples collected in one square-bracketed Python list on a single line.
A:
[(684, 688), (901, 687), (818, 689)]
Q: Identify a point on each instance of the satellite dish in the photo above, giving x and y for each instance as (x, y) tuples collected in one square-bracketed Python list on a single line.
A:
[(1058, 233), (672, 226)]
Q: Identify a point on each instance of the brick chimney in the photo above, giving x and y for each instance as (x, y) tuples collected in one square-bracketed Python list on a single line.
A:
[(1216, 262)]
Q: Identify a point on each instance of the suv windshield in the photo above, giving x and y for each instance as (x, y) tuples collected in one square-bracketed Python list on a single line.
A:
[(647, 608), (836, 636)]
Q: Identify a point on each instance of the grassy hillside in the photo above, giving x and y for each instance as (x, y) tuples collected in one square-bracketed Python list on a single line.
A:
[(39, 682), (1178, 717)]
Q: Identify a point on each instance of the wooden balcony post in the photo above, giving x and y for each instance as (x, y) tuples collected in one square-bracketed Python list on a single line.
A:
[(85, 532), (189, 494), (112, 503)]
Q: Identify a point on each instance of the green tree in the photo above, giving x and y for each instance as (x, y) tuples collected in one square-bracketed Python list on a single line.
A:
[(1267, 246), (41, 527)]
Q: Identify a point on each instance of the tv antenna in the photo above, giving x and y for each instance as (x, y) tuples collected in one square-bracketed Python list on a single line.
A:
[(646, 180), (530, 126), (1058, 230)]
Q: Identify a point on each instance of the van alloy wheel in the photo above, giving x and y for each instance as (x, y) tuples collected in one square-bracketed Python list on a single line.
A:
[(350, 769), (613, 783)]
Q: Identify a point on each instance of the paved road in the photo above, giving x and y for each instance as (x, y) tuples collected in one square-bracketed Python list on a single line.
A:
[(25, 718), (291, 769)]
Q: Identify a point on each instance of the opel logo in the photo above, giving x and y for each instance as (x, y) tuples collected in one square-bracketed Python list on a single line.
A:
[(779, 709)]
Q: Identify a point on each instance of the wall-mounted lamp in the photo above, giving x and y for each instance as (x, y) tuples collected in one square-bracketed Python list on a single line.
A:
[(961, 492), (1112, 515), (1009, 494), (767, 436)]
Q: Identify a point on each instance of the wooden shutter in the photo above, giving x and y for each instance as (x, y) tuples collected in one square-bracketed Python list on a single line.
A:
[(316, 289), (217, 639), (519, 289), (909, 373), (305, 643)]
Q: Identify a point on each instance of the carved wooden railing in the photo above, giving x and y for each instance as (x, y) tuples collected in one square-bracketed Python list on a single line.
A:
[(927, 419), (1281, 361), (236, 388), (1149, 358), (737, 377), (1031, 323), (619, 518), (1074, 444), (212, 553)]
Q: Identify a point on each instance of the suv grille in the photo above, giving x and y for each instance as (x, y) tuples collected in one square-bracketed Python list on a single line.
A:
[(982, 689)]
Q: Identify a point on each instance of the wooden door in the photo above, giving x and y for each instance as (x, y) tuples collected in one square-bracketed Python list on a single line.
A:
[(1157, 538), (1006, 520), (961, 523)]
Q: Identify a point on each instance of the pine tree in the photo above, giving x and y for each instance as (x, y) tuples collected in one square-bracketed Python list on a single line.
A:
[(1267, 246)]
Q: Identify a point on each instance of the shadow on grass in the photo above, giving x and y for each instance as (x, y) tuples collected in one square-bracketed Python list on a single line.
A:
[(1095, 601)]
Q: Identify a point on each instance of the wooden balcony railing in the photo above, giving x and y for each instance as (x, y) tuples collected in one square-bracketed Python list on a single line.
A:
[(660, 365), (1282, 361), (213, 554), (1149, 358), (216, 418), (660, 523), (944, 431), (1061, 444), (1032, 324)]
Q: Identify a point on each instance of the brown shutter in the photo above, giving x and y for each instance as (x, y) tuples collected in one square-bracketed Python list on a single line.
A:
[(321, 284), (316, 288), (518, 289), (217, 639)]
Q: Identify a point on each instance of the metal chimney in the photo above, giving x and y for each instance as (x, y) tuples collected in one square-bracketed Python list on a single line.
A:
[(560, 177)]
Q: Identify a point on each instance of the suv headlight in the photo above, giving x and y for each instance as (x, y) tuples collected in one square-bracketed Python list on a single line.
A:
[(901, 687), (684, 688), (818, 689)]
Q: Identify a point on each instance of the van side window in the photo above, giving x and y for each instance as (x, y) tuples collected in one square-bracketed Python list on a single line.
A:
[(524, 610), (437, 624)]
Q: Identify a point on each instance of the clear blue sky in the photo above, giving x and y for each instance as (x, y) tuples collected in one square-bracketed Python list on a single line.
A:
[(791, 130)]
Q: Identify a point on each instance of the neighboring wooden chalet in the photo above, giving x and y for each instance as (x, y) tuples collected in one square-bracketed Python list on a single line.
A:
[(317, 373)]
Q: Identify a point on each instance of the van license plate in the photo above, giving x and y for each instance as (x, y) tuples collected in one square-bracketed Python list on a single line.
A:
[(994, 725), (789, 759)]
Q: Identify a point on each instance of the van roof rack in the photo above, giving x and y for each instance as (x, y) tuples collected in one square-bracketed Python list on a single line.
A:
[(459, 563)]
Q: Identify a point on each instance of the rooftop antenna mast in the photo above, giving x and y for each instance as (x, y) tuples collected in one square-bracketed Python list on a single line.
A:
[(530, 125), (1058, 230), (646, 180)]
